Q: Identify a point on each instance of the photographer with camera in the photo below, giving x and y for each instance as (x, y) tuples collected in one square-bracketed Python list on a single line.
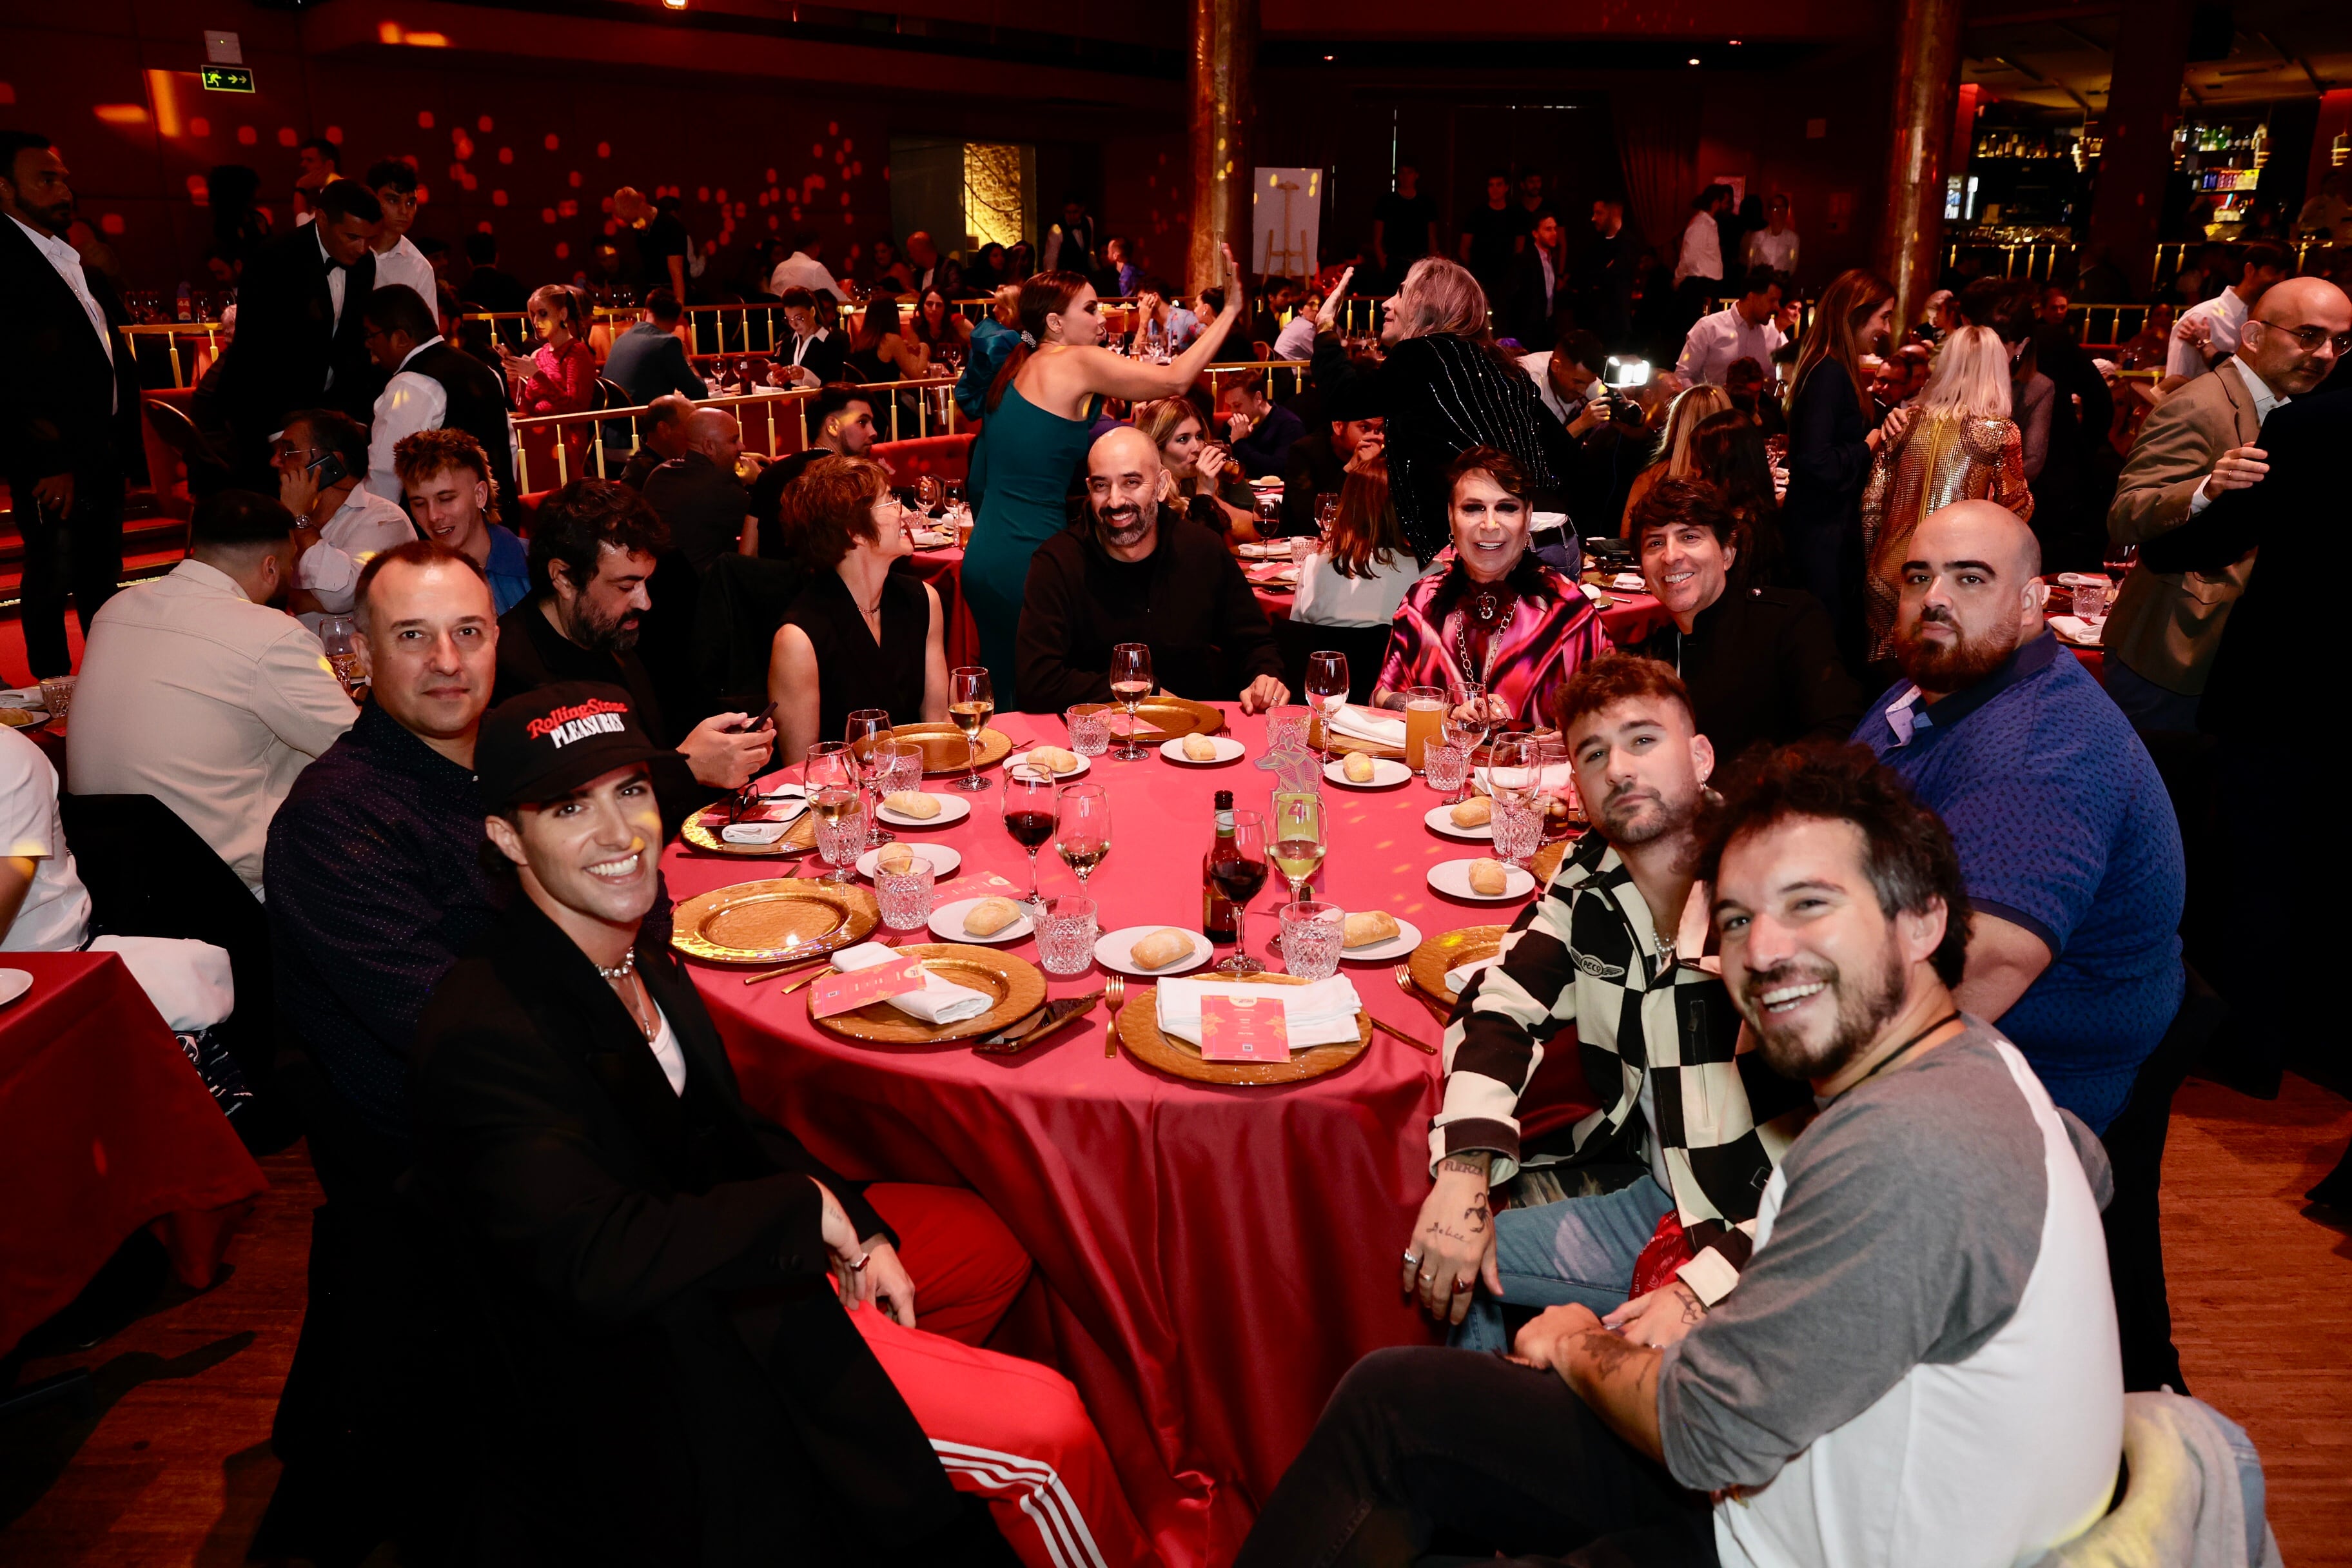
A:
[(1572, 383)]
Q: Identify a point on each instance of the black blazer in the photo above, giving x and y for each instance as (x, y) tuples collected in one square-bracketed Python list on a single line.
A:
[(288, 339), (826, 358), (63, 407), (2274, 634), (477, 402), (674, 1381)]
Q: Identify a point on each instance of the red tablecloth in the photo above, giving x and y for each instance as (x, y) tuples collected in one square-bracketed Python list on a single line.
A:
[(104, 1127), (943, 570), (1630, 617), (1215, 1257)]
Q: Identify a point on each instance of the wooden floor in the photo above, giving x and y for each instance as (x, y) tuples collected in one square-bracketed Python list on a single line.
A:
[(176, 1468)]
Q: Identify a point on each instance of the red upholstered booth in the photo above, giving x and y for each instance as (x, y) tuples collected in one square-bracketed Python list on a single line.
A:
[(945, 458)]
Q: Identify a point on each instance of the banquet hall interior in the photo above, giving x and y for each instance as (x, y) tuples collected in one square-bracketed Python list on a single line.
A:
[(653, 655)]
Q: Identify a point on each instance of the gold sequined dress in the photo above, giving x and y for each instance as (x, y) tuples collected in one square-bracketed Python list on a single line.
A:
[(1938, 461)]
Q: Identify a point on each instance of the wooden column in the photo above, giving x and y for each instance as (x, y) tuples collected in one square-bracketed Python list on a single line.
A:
[(2136, 134), (1224, 60), (1927, 82)]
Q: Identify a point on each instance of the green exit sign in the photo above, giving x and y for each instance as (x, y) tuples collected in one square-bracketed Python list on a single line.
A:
[(228, 78)]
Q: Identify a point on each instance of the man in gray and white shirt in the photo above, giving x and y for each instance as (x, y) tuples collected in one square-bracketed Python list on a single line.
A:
[(1919, 1364)]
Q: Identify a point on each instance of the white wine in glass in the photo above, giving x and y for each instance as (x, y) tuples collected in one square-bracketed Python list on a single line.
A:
[(1130, 683), (972, 702)]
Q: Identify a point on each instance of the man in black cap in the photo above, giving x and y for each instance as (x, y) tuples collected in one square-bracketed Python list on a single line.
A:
[(684, 1381)]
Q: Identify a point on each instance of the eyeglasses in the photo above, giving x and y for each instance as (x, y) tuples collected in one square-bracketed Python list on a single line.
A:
[(2309, 337)]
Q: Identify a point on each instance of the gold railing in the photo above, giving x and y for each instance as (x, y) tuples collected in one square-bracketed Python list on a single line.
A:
[(201, 338), (765, 413)]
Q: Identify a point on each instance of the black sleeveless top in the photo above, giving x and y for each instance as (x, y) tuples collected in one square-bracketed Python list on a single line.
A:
[(851, 671)]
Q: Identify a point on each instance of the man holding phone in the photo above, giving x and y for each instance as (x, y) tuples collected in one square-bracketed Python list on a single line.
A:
[(321, 457)]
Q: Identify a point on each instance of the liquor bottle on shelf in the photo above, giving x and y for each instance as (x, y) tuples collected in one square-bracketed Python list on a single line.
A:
[(1217, 909)]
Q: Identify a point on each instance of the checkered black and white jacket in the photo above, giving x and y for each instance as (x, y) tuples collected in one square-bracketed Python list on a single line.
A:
[(1585, 954)]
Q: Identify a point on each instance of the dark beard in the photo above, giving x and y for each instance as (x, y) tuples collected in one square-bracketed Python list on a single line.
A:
[(1671, 817), (1119, 537), (1943, 670), (1862, 1010), (598, 636)]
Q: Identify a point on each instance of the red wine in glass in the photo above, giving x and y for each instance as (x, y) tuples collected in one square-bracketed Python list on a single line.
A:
[(1033, 829)]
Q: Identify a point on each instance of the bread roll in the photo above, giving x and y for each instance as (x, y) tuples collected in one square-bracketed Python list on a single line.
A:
[(1054, 757), (1491, 877), (1200, 748), (990, 916), (1362, 930), (895, 859), (1162, 948), (911, 802), (1358, 767), (1475, 812)]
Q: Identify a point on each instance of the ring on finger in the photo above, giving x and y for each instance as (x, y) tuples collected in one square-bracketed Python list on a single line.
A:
[(1413, 1260), (1463, 1283), (1425, 1279)]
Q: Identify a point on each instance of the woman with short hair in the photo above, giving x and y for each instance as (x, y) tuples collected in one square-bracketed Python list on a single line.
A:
[(860, 635), (1962, 445), (1490, 612)]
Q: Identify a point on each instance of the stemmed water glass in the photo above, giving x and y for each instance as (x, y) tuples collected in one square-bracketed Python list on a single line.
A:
[(1130, 683), (1027, 804), (1326, 515), (1514, 777), (1327, 691), (1465, 726), (1082, 827), (1240, 876), (829, 778), (972, 700), (866, 729)]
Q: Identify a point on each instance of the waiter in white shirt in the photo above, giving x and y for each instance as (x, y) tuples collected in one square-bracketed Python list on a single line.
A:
[(804, 267), (1742, 329), (397, 259), (69, 402), (1774, 245), (2207, 334), (338, 523)]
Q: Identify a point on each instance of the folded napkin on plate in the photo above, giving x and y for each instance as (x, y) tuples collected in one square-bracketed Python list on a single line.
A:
[(753, 831), (939, 1002), (1459, 977), (1323, 1014), (2075, 629), (1554, 779), (1629, 582), (1369, 724)]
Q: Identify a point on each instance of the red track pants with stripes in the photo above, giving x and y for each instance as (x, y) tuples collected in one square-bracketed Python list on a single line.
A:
[(1009, 1430)]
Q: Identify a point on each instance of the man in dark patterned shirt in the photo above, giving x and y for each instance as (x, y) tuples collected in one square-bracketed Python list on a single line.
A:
[(375, 885), (1612, 947)]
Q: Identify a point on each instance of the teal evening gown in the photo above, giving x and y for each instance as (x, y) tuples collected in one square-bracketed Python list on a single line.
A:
[(1023, 491)]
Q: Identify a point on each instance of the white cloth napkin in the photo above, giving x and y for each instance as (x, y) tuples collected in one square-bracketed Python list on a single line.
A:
[(2075, 629), (1323, 1014), (188, 981), (940, 1001), (1629, 582), (754, 831), (21, 696), (1459, 977), (1369, 724)]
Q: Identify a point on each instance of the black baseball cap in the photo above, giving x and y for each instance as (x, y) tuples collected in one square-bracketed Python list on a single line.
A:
[(546, 743)]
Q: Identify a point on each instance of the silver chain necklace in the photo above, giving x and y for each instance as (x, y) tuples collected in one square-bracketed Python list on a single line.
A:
[(621, 969)]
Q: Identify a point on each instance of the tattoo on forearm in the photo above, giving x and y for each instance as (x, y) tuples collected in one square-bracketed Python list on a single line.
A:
[(1608, 1351)]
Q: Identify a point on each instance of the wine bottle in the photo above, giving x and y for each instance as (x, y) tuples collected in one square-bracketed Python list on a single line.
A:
[(1216, 909)]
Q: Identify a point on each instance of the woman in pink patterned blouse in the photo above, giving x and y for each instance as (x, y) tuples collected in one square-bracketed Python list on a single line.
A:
[(559, 375), (1489, 613)]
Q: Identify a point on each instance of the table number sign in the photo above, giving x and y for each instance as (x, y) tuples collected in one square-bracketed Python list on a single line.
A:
[(1243, 1029), (862, 987)]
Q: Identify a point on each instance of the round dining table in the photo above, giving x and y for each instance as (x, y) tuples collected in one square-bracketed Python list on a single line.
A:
[(1210, 1259)]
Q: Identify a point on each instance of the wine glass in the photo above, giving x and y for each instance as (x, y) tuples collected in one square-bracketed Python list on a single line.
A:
[(1240, 874), (866, 729), (1130, 683), (1465, 725), (1027, 804), (1297, 838), (1326, 514), (1082, 827), (1327, 691), (971, 702)]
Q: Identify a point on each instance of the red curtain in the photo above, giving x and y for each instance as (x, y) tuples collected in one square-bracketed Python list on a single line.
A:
[(1657, 141)]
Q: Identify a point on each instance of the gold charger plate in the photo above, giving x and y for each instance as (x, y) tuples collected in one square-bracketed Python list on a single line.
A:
[(944, 750), (1138, 1031), (1017, 986), (1548, 858), (1434, 957), (760, 923), (704, 835), (1172, 718)]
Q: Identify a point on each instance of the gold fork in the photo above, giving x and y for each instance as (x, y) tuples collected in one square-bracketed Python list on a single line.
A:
[(1403, 972), (1114, 994)]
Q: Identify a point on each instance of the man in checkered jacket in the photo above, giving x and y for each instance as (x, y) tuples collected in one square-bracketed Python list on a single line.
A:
[(1609, 950)]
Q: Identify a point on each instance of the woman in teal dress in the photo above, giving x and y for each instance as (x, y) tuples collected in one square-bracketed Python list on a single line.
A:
[(1041, 413)]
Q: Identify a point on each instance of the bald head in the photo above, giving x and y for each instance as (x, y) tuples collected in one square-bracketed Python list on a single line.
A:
[(1969, 579), (714, 433), (1123, 485), (2303, 325)]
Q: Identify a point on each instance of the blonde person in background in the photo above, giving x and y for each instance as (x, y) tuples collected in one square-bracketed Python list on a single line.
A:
[(1683, 416), (1962, 445), (1200, 470)]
